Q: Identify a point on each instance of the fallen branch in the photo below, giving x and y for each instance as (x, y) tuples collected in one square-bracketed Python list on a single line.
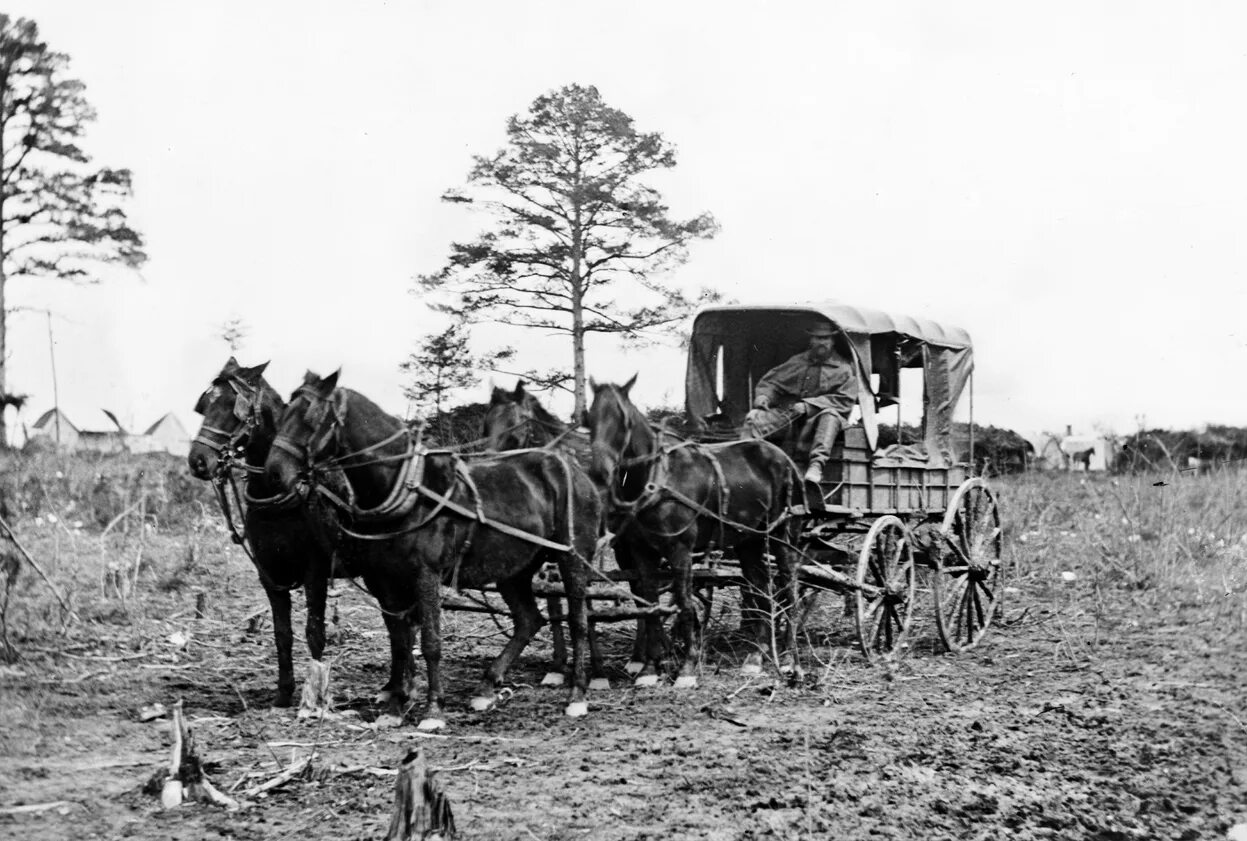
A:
[(31, 808), (289, 773), (8, 533)]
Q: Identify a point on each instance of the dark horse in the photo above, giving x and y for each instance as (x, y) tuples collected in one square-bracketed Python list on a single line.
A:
[(516, 420), (428, 518), (670, 500), (240, 411)]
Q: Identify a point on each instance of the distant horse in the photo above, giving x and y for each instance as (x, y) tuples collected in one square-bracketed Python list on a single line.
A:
[(667, 501), (240, 411), (428, 518), (516, 420)]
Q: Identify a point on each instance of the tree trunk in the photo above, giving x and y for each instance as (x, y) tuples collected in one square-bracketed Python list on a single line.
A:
[(4, 353), (578, 314)]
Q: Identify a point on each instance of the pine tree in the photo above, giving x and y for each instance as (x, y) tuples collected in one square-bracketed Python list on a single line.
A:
[(59, 216), (579, 242)]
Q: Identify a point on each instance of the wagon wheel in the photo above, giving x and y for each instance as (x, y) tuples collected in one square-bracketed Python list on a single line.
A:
[(885, 587), (967, 566)]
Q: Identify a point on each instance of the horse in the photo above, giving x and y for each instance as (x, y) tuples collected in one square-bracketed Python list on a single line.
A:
[(427, 518), (516, 420), (240, 411), (670, 500)]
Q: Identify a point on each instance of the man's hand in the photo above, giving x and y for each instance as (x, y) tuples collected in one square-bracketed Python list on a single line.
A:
[(755, 415), (762, 402), (799, 408)]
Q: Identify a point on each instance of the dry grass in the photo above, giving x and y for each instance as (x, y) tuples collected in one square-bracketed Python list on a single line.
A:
[(1086, 545)]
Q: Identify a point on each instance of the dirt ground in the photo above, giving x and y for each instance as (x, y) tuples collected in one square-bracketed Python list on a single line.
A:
[(1083, 715)]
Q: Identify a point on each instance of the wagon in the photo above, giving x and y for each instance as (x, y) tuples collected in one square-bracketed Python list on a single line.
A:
[(896, 506), (899, 508)]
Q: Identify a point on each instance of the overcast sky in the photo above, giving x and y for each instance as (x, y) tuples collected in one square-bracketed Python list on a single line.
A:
[(1067, 181)]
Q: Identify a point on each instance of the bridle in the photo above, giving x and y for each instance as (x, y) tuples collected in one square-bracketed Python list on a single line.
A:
[(648, 459), (225, 443)]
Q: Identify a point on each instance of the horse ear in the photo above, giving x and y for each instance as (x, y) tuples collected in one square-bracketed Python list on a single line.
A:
[(231, 366), (497, 396), (593, 384), (626, 387), (251, 375), (519, 389), (329, 383), (310, 377)]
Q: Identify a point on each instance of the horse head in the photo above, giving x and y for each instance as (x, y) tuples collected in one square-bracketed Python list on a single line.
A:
[(508, 420), (308, 430), (516, 420), (239, 409), (617, 429)]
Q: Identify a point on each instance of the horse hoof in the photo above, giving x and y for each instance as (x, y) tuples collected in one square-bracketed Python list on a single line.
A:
[(388, 721), (312, 712), (383, 697), (552, 679), (577, 710), (430, 724), (481, 703), (635, 667), (599, 683), (686, 682), (646, 680), (751, 669)]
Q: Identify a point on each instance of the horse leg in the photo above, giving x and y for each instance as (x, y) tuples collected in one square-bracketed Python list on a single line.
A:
[(623, 557), (650, 635), (316, 588), (315, 700), (558, 668), (790, 660), (597, 668), (429, 584), (517, 592), (754, 605), (576, 584), (402, 671), (283, 636), (686, 619)]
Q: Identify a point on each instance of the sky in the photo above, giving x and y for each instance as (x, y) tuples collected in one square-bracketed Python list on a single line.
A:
[(1067, 181)]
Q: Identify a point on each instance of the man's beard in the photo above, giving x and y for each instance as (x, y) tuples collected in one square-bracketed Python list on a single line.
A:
[(819, 353)]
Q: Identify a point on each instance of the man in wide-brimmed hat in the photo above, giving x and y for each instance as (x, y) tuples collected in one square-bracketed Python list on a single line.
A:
[(814, 392)]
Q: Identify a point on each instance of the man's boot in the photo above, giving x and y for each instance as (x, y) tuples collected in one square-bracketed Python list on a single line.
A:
[(815, 472)]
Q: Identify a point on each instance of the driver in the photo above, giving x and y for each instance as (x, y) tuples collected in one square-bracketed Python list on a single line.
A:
[(814, 391)]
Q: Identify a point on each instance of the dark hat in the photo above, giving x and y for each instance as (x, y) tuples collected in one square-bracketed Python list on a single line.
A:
[(821, 331)]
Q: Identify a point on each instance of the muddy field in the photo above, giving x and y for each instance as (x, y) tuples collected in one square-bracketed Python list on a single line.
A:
[(1110, 702)]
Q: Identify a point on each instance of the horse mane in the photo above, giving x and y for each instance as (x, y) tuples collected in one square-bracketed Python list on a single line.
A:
[(543, 415)]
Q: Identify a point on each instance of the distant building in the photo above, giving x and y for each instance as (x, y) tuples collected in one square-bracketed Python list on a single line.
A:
[(166, 435), (1071, 452), (55, 429)]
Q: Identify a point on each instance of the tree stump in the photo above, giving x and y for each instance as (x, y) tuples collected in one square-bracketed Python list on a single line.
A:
[(186, 779), (421, 811), (315, 700)]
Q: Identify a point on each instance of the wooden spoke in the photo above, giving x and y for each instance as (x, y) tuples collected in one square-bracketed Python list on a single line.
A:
[(886, 563), (967, 574)]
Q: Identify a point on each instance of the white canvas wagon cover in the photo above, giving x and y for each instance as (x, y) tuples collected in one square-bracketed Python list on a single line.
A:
[(732, 346)]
